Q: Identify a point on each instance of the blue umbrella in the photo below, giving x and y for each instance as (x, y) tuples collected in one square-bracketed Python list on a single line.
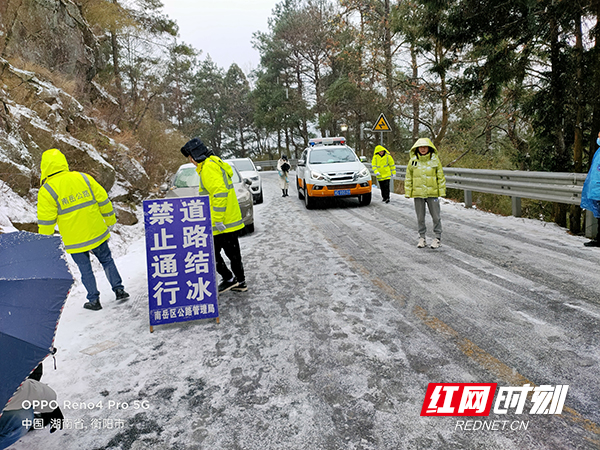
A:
[(34, 285)]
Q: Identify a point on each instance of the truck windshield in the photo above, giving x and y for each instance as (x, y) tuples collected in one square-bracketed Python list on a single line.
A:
[(243, 165), (331, 155)]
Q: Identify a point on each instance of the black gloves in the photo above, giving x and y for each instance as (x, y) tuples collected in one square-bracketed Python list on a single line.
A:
[(54, 424)]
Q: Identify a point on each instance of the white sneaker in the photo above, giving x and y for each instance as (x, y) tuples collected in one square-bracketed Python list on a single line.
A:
[(421, 243), (436, 243)]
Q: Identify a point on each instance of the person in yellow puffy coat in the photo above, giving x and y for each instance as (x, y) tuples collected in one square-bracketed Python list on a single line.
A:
[(425, 182), (384, 169), (80, 207), (215, 181)]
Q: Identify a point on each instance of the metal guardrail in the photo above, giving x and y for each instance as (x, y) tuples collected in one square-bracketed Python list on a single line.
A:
[(272, 164), (557, 187)]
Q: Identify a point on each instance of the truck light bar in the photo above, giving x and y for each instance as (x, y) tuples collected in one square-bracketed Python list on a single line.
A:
[(340, 140)]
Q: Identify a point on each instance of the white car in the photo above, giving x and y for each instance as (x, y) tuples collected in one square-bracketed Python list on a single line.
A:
[(329, 168), (250, 172)]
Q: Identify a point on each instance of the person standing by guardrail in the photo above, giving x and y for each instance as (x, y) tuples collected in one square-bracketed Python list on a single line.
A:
[(283, 168), (590, 193), (384, 169), (425, 182)]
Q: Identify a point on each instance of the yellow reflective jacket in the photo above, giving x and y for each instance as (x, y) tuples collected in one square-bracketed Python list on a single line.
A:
[(383, 166), (424, 174), (215, 181), (74, 201)]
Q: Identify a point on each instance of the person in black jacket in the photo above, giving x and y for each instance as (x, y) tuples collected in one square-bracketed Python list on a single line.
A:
[(283, 169)]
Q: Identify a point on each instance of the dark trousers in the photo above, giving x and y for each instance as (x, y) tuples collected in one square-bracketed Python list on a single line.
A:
[(230, 243), (11, 425), (384, 185), (102, 252)]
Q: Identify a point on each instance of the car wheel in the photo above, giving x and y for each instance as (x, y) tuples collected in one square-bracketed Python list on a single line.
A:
[(364, 199), (300, 195), (249, 228), (260, 198), (309, 202)]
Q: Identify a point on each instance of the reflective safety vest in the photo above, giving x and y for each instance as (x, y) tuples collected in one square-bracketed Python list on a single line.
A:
[(215, 181), (75, 202), (383, 165)]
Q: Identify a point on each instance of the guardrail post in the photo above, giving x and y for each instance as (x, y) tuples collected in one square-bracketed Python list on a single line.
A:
[(591, 225), (468, 199), (516, 206)]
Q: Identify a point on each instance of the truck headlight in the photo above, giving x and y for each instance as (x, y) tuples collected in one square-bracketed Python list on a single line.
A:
[(363, 173), (316, 175)]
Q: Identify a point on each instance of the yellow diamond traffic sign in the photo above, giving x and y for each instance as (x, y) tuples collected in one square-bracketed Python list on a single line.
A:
[(382, 124)]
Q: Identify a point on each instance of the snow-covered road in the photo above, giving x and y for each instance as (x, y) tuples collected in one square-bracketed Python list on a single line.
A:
[(344, 325)]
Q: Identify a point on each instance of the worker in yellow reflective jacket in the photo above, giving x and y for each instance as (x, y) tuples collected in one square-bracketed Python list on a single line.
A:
[(80, 207), (384, 169), (215, 181)]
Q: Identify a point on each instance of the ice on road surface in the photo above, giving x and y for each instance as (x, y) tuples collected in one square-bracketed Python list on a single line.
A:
[(343, 327)]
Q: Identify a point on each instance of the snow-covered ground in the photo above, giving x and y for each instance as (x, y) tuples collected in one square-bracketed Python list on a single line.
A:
[(328, 349), (14, 208)]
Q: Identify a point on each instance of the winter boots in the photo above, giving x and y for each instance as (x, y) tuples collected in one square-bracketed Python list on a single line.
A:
[(94, 306), (225, 285), (234, 285), (121, 294), (241, 287)]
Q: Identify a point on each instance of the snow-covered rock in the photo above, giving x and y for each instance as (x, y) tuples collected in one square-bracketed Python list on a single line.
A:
[(35, 116)]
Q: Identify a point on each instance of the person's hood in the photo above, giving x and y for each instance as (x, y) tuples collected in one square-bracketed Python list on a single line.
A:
[(423, 142), (223, 165), (380, 148), (53, 162)]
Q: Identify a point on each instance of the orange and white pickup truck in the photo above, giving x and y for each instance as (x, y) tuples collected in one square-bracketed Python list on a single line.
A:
[(329, 168)]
